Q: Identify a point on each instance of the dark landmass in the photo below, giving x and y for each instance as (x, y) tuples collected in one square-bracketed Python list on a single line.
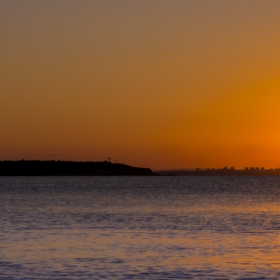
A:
[(107, 168), (252, 171), (69, 168)]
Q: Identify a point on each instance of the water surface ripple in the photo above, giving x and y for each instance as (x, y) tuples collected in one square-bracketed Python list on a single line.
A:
[(140, 228)]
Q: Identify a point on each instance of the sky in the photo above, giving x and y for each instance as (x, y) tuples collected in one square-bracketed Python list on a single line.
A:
[(153, 83)]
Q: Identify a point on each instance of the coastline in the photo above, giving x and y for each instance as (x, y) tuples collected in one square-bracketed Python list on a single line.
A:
[(70, 168)]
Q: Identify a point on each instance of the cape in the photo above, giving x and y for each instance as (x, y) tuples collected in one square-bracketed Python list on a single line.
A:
[(70, 168)]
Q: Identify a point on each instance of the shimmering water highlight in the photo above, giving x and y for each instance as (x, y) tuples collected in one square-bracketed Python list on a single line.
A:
[(139, 228)]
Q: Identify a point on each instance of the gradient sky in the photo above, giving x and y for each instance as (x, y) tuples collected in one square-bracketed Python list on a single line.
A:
[(154, 83)]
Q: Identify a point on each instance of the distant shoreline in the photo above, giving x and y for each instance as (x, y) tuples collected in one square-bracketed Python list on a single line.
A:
[(70, 168), (222, 172), (107, 168)]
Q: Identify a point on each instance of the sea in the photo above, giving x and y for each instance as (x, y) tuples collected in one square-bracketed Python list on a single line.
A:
[(140, 227)]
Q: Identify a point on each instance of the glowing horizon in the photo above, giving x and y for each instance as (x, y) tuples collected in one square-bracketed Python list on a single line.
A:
[(159, 84)]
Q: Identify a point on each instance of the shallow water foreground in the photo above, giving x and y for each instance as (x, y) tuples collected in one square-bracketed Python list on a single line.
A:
[(140, 228)]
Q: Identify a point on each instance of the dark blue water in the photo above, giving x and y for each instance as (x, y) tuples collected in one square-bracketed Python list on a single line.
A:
[(140, 228)]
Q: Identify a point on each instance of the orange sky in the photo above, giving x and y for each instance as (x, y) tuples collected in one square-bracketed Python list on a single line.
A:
[(162, 84)]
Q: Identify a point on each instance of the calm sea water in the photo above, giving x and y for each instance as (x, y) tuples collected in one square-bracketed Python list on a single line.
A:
[(139, 228)]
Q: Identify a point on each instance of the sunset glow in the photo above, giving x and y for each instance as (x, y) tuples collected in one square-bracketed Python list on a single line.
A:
[(162, 84)]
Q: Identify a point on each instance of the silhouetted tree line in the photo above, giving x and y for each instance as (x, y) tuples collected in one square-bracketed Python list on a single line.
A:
[(69, 168)]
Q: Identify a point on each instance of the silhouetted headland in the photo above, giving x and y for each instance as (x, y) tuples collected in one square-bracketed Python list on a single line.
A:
[(247, 171), (69, 168)]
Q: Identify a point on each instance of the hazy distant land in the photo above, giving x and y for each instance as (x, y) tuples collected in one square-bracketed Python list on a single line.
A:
[(247, 171)]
